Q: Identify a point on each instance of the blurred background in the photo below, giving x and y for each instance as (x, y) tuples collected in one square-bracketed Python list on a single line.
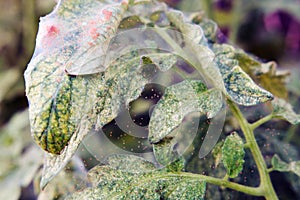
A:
[(267, 29)]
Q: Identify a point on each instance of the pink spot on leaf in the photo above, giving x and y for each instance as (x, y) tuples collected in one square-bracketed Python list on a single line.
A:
[(107, 14), (94, 33), (52, 31)]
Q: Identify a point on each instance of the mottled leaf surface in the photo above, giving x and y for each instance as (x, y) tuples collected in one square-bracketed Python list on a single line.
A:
[(69, 36), (233, 155), (239, 86), (284, 110), (121, 83), (266, 74), (119, 182), (279, 165), (179, 100), (164, 151)]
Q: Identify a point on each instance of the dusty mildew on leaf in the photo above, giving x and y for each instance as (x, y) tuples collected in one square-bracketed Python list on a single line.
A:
[(239, 86), (121, 83), (179, 100), (233, 154), (279, 165), (284, 110), (119, 182), (64, 42), (164, 151)]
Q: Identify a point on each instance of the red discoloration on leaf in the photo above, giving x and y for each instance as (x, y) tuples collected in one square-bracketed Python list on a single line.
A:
[(107, 14), (52, 31), (94, 33)]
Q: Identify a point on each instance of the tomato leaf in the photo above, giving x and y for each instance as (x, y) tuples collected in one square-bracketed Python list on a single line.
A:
[(284, 110), (279, 165), (233, 155), (122, 182)]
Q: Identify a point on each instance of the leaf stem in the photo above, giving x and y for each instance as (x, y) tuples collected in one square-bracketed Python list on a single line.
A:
[(226, 177), (265, 180), (255, 191), (261, 121), (270, 169)]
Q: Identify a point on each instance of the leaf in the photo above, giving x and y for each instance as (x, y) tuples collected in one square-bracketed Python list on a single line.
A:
[(163, 60), (265, 74), (233, 154), (239, 86), (217, 153), (179, 100), (201, 55), (272, 79), (64, 108), (119, 85), (210, 29), (68, 181), (279, 165), (66, 43), (110, 182), (22, 173), (164, 151), (128, 163), (284, 110)]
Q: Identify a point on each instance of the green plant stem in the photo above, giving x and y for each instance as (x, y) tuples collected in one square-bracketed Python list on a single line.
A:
[(255, 191), (270, 169), (261, 121), (246, 145), (265, 180)]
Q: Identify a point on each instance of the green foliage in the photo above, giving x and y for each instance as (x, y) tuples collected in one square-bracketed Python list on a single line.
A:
[(279, 165), (136, 178), (233, 154)]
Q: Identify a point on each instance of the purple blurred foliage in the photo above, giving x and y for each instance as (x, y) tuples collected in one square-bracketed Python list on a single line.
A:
[(286, 25), (224, 5), (222, 35), (172, 3)]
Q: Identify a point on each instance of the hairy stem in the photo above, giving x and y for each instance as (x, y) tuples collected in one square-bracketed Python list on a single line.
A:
[(265, 180)]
